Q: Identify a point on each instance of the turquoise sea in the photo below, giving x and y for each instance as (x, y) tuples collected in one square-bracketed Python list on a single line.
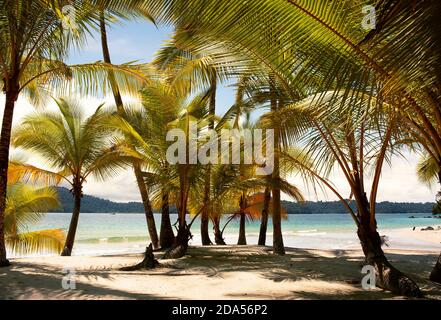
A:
[(102, 233)]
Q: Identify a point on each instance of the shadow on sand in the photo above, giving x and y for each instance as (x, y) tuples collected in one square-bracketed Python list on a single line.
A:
[(340, 270)]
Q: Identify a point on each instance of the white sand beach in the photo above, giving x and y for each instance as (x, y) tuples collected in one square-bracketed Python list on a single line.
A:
[(216, 272)]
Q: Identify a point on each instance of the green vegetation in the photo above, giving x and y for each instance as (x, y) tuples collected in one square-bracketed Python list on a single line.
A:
[(26, 204), (338, 97), (75, 147), (91, 204)]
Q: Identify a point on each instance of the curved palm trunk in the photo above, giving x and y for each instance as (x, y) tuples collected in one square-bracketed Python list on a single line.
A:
[(151, 225), (70, 239), (205, 214), (218, 238), (387, 276), (120, 107), (166, 235), (264, 219), (11, 98)]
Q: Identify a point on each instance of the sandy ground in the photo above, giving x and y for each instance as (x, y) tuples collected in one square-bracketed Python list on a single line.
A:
[(228, 272), (428, 236)]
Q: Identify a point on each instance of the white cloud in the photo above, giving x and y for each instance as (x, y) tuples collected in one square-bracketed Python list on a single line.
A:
[(398, 182)]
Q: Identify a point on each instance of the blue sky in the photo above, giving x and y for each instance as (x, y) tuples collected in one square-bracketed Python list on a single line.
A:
[(138, 41)]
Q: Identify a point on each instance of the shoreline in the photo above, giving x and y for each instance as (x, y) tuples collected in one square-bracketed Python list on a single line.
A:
[(236, 272), (397, 239)]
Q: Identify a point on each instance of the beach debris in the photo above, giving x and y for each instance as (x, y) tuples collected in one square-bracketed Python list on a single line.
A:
[(428, 229), (149, 261)]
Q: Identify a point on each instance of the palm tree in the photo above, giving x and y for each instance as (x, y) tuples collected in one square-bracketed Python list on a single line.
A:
[(324, 47), (356, 138), (26, 205), (34, 45), (264, 217), (187, 174), (144, 129), (193, 72), (229, 187), (166, 107), (120, 107), (75, 146)]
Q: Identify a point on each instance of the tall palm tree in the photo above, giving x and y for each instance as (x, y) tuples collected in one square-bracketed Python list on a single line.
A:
[(187, 174), (324, 47), (120, 107), (166, 107), (193, 71), (144, 129), (357, 138), (75, 146), (34, 45)]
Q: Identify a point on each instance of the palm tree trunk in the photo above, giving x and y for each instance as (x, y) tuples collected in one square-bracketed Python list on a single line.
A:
[(166, 235), (205, 214), (242, 241), (387, 276), (106, 57), (278, 247), (264, 219), (151, 225), (70, 239), (242, 235), (218, 238), (5, 140), (120, 107)]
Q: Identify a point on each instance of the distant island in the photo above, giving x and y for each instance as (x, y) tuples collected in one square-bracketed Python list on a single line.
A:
[(91, 204)]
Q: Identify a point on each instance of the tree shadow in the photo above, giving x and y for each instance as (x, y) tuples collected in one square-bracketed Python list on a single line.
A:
[(300, 274), (33, 281), (339, 267)]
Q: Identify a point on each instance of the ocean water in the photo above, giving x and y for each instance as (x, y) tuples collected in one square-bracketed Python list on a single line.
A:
[(102, 233)]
